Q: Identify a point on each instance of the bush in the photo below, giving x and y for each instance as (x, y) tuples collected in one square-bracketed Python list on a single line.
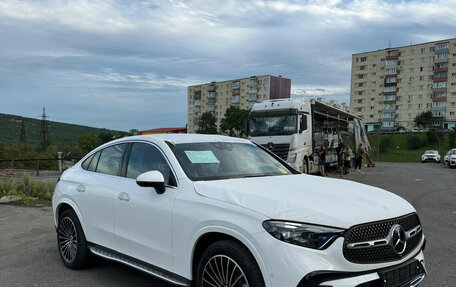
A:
[(415, 142), (385, 144), (27, 188), (452, 139), (433, 136)]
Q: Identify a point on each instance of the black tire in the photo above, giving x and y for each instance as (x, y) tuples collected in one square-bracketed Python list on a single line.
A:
[(76, 254), (238, 254)]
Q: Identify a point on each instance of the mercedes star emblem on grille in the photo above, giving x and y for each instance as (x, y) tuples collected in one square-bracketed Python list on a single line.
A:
[(398, 238), (271, 146)]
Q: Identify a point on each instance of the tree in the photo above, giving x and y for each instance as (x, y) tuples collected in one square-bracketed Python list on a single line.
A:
[(133, 132), (234, 121), (105, 137), (423, 120), (207, 124), (88, 142)]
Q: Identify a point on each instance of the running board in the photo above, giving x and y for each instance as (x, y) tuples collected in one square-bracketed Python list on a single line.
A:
[(137, 264)]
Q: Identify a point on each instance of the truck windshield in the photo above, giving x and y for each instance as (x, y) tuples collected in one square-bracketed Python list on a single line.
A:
[(224, 160), (272, 125)]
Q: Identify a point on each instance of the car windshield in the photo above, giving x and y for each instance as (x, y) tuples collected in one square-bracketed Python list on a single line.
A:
[(431, 151), (272, 125), (224, 160), (452, 152)]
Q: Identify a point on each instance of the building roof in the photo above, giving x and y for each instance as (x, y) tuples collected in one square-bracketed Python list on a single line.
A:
[(234, 80), (399, 47)]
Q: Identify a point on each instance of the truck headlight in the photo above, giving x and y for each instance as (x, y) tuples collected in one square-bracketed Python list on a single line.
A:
[(306, 235), (292, 158)]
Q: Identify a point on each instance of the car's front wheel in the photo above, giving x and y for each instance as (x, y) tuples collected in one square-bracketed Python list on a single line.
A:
[(228, 263), (71, 241)]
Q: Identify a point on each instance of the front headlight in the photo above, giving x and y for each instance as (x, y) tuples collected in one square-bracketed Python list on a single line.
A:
[(292, 158), (306, 235)]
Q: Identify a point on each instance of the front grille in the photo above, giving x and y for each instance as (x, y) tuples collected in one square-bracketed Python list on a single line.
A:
[(377, 231), (281, 150)]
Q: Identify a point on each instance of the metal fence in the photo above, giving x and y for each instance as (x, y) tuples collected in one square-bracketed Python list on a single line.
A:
[(37, 163)]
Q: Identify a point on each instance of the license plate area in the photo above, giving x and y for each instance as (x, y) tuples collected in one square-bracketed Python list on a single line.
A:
[(402, 275)]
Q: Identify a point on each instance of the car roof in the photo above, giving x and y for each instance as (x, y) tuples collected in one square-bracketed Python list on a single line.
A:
[(186, 138)]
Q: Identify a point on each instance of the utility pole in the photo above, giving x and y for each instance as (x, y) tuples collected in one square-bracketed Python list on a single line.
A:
[(44, 142), (22, 139)]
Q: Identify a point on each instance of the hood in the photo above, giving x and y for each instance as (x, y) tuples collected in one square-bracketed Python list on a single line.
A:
[(309, 199)]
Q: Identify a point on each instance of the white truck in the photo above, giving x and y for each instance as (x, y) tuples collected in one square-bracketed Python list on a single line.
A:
[(295, 129)]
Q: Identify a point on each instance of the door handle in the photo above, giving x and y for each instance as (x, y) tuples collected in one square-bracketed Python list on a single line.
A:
[(80, 188), (124, 196)]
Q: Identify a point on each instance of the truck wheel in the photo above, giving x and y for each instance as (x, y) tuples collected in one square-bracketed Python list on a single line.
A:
[(305, 168), (228, 263)]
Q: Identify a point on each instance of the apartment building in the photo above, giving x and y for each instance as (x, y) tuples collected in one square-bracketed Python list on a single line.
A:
[(390, 87), (216, 97)]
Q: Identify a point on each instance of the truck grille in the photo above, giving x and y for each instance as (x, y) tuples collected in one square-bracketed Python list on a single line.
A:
[(378, 231), (281, 150)]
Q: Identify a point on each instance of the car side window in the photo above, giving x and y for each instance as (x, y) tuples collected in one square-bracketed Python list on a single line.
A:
[(85, 164), (110, 159), (94, 162), (145, 157)]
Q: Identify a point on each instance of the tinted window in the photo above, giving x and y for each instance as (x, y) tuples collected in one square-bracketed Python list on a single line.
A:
[(110, 159), (85, 164), (144, 157), (94, 162)]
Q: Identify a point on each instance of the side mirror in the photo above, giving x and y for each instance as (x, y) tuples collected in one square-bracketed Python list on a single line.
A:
[(153, 179)]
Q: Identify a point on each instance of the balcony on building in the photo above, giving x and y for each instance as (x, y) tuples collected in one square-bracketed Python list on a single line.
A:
[(441, 67), (389, 107), (211, 87), (197, 103), (389, 97), (438, 86), (211, 95), (441, 47), (210, 108), (235, 99), (440, 76), (253, 81), (235, 85), (235, 92), (197, 90), (438, 96), (252, 97), (392, 54)]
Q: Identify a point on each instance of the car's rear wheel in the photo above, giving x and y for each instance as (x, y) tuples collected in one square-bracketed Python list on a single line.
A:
[(71, 241), (228, 264)]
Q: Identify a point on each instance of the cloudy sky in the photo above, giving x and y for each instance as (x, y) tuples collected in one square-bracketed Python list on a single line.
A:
[(126, 64)]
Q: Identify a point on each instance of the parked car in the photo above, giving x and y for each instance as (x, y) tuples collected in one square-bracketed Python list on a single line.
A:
[(430, 155), (452, 158), (447, 156), (211, 210)]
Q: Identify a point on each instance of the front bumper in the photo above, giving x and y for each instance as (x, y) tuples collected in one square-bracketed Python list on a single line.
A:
[(452, 162), (408, 274), (294, 266), (423, 159)]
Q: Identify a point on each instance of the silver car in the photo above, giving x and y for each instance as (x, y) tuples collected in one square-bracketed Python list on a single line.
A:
[(430, 155)]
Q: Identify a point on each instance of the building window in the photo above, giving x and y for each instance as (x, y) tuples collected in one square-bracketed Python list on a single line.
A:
[(422, 60), (420, 106), (412, 70), (423, 50), (420, 96)]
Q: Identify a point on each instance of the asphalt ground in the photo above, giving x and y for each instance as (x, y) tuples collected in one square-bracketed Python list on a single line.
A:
[(29, 256)]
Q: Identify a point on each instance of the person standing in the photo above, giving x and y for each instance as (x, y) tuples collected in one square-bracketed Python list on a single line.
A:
[(322, 161), (359, 157), (340, 150), (347, 159)]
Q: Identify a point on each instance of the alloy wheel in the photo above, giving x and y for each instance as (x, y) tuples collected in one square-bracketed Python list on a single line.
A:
[(222, 271), (68, 239)]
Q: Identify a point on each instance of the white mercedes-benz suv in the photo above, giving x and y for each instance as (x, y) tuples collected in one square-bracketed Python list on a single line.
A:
[(216, 211)]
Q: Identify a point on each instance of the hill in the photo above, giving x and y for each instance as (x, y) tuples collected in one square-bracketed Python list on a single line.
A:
[(68, 134)]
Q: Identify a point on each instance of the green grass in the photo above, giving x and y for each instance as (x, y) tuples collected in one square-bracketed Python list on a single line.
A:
[(31, 191), (405, 153), (68, 134)]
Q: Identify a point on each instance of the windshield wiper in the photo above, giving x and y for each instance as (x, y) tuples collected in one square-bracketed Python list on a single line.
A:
[(255, 175)]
